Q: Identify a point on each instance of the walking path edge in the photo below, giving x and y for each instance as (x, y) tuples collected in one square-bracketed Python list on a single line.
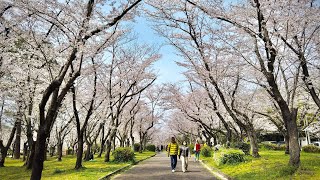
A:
[(216, 172), (108, 176)]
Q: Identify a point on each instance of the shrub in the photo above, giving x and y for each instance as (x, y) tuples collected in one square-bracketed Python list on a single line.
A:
[(57, 171), (69, 151), (136, 147), (244, 147), (274, 147), (206, 151), (191, 148), (311, 149), (123, 155), (232, 158), (151, 147)]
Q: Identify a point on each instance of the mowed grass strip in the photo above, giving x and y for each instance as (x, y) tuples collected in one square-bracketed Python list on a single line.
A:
[(64, 170), (271, 165)]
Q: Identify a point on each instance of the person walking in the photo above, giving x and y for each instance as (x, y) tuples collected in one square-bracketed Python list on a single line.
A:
[(173, 148), (184, 154), (197, 148)]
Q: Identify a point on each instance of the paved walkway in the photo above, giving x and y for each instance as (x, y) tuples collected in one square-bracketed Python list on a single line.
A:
[(158, 168)]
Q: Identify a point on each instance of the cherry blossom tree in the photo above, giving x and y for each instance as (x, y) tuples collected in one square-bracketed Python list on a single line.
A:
[(128, 74), (69, 35)]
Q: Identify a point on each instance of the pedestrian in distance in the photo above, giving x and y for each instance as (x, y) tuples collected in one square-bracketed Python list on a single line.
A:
[(197, 148), (173, 148), (184, 154)]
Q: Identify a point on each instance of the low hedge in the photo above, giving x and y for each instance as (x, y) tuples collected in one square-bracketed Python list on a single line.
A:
[(274, 147), (123, 154), (136, 147), (232, 158), (206, 151), (245, 147), (311, 149), (151, 147)]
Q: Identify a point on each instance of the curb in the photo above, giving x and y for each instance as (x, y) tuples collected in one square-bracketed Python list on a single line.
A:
[(216, 172), (108, 176)]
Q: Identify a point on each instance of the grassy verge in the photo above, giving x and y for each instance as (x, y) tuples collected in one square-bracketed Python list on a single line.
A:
[(64, 170), (271, 165)]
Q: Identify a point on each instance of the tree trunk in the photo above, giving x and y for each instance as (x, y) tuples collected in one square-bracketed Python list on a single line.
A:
[(113, 143), (45, 156), (253, 142), (73, 149), (3, 156), (131, 136), (25, 151), (132, 141), (286, 139), (39, 154), (109, 142), (52, 150), (108, 149), (88, 152), (79, 152), (140, 141), (4, 149), (141, 146), (31, 143), (102, 147), (293, 140), (30, 157), (17, 144), (144, 144), (59, 149), (122, 142), (215, 140)]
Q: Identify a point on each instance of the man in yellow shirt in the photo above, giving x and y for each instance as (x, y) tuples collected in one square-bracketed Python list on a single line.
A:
[(173, 148)]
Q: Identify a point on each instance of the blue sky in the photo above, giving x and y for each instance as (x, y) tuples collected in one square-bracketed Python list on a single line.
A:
[(168, 70)]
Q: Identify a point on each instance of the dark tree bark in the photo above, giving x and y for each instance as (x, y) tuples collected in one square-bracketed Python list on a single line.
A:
[(61, 133), (52, 150), (286, 137), (28, 123), (294, 147), (59, 150), (25, 151), (109, 144), (17, 143), (108, 150), (79, 152), (88, 152), (143, 135), (1, 112), (91, 136), (102, 141), (30, 141), (30, 157), (253, 142), (104, 138), (4, 149)]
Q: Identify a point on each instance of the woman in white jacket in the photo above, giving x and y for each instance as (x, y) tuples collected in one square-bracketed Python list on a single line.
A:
[(184, 153)]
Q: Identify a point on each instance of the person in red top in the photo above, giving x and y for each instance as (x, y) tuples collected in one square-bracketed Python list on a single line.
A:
[(197, 148)]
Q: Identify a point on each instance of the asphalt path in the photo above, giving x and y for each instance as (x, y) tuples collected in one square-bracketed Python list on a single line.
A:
[(158, 168)]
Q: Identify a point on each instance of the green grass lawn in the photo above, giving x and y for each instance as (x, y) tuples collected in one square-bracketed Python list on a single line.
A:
[(271, 165), (64, 170)]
